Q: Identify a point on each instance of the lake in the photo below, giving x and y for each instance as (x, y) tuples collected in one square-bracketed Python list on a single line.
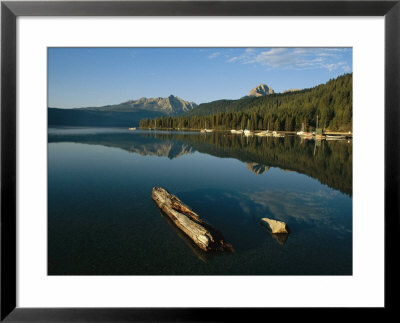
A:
[(103, 221)]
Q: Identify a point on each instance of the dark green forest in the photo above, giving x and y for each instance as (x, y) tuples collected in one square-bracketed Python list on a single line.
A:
[(330, 103)]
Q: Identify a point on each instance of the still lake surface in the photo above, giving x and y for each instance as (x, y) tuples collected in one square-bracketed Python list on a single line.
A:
[(103, 221)]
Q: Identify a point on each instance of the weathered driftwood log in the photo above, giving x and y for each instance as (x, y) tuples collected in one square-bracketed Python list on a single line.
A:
[(276, 226), (200, 254), (201, 233)]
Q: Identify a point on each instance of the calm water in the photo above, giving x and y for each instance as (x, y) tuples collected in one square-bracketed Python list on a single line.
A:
[(102, 220)]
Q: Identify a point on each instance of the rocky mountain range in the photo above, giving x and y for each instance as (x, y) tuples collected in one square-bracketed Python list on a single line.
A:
[(125, 114), (261, 90), (264, 89), (129, 113), (170, 106)]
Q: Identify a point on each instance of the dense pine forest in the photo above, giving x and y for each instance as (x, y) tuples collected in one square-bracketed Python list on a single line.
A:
[(329, 103)]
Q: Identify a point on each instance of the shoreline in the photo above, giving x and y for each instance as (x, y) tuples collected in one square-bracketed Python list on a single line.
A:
[(327, 132)]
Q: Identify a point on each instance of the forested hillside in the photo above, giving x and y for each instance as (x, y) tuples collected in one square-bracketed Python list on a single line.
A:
[(330, 103)]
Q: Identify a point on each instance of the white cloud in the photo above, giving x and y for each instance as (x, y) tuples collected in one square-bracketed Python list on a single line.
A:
[(232, 59), (295, 58), (213, 55)]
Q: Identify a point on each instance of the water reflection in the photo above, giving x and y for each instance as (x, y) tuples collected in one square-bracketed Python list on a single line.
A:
[(102, 220), (328, 161), (297, 209), (280, 238), (257, 168)]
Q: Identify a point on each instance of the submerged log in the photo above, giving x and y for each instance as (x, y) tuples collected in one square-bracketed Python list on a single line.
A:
[(199, 253), (201, 233)]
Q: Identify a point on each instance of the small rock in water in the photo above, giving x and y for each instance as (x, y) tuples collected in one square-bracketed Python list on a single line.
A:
[(276, 226)]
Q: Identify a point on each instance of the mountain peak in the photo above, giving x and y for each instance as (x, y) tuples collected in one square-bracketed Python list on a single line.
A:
[(171, 105), (261, 90)]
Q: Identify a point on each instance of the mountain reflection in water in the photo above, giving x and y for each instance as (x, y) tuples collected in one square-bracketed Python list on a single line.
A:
[(328, 161), (103, 221)]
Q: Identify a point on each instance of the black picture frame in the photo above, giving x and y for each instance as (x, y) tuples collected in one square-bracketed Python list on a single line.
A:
[(10, 10)]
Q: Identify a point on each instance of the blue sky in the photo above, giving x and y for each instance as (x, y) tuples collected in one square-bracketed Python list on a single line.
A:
[(82, 77)]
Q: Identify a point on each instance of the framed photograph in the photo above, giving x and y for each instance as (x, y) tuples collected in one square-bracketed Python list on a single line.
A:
[(197, 160)]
